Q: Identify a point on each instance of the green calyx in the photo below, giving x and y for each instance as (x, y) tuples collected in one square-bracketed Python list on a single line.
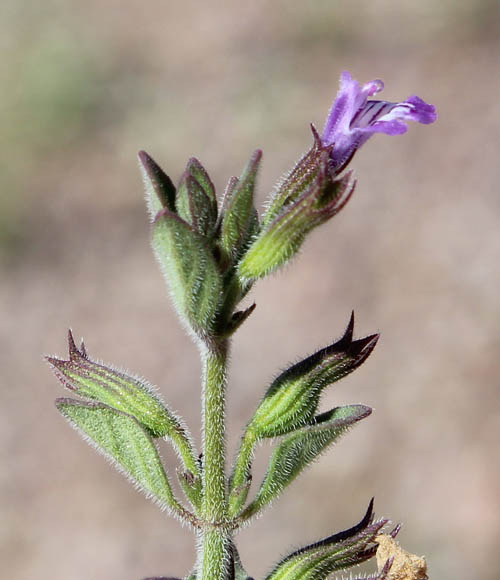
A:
[(336, 552), (92, 380), (291, 401), (239, 220), (195, 199), (307, 197), (188, 264), (160, 191)]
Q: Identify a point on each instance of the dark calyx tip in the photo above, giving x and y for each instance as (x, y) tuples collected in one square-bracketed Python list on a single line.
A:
[(346, 339), (74, 352), (144, 157)]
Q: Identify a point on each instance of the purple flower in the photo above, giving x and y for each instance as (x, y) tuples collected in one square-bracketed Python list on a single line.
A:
[(353, 119)]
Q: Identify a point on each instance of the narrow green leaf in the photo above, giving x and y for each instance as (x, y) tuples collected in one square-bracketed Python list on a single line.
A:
[(241, 476), (239, 572), (126, 443), (164, 578), (299, 449), (190, 269)]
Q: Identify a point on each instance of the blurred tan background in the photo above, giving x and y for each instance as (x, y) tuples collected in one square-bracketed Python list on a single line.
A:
[(416, 252)]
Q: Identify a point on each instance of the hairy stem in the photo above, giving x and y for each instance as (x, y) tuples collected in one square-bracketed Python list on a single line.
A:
[(215, 541)]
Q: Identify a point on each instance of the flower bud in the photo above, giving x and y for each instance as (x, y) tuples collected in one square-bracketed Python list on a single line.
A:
[(239, 220), (188, 264), (160, 191), (195, 200)]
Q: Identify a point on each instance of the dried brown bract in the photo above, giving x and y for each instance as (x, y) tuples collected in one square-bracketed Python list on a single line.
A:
[(405, 566)]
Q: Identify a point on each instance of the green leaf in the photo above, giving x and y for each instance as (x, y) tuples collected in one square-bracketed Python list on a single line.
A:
[(160, 191), (239, 216), (195, 201), (299, 449), (126, 443), (190, 269), (336, 552), (292, 399)]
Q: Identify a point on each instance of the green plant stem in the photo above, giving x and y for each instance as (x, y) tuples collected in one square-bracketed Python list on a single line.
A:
[(216, 544)]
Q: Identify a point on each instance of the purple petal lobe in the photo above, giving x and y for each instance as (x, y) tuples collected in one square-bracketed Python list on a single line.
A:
[(353, 119), (426, 113), (374, 87)]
